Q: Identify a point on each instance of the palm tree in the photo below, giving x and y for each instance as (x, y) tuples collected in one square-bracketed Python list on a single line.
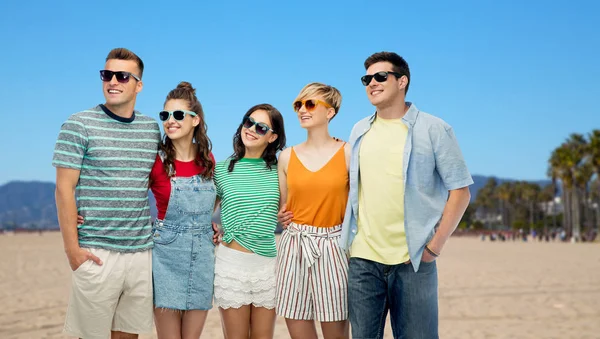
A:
[(560, 170), (583, 177), (547, 196), (595, 199), (505, 194), (578, 147), (530, 193), (594, 142), (594, 152), (485, 200)]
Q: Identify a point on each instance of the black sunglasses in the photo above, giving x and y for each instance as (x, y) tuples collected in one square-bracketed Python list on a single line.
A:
[(261, 128), (177, 115), (379, 77), (122, 76)]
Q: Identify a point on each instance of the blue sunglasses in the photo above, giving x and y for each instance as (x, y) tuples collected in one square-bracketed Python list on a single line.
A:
[(178, 114)]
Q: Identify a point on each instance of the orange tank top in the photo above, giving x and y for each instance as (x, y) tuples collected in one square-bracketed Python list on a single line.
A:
[(318, 198)]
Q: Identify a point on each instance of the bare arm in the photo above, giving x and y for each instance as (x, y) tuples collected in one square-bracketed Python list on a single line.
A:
[(284, 216), (217, 203), (282, 164), (348, 154), (456, 205), (66, 181), (217, 230)]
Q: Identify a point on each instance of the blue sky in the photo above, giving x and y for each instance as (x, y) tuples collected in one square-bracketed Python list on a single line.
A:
[(514, 78)]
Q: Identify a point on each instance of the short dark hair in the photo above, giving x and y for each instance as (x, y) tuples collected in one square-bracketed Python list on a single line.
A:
[(399, 65), (125, 54)]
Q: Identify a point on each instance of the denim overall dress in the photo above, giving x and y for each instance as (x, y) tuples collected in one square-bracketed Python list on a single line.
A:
[(183, 259)]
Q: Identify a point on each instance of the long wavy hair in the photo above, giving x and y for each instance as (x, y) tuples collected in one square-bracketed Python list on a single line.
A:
[(270, 153), (185, 91)]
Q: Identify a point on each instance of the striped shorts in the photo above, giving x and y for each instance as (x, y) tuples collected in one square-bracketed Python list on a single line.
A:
[(312, 274)]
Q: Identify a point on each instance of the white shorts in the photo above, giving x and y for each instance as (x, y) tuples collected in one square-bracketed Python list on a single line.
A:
[(243, 278), (312, 274), (114, 296)]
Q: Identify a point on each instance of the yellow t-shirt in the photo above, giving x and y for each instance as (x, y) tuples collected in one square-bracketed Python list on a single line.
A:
[(381, 236)]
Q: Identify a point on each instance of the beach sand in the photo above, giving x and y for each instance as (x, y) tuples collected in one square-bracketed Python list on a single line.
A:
[(487, 290)]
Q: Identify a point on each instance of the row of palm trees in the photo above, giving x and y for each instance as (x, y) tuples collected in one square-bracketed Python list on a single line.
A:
[(576, 164), (574, 167)]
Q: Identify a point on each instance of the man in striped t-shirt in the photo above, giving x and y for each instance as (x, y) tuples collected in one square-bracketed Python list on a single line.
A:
[(104, 156)]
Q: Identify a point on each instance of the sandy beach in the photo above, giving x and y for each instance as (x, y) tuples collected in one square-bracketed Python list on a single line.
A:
[(487, 290)]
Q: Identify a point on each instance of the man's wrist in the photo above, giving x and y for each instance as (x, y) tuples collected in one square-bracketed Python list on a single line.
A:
[(72, 249), (431, 251)]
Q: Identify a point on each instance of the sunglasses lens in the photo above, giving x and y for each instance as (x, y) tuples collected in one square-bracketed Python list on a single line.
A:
[(164, 115), (297, 105), (178, 115), (248, 123), (122, 77), (261, 129), (366, 79), (380, 76), (106, 75), (310, 105)]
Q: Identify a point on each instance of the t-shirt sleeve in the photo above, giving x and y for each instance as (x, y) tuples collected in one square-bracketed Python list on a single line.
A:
[(218, 177), (71, 145), (157, 170)]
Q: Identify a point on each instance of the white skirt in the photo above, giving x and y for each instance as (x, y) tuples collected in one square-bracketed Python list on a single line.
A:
[(243, 278)]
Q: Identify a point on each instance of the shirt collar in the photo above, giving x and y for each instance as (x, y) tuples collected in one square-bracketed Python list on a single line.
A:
[(410, 117)]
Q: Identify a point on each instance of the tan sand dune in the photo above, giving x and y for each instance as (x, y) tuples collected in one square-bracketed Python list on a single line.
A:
[(487, 290)]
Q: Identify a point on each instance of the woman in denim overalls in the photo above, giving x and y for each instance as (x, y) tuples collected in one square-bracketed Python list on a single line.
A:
[(183, 256), (182, 182)]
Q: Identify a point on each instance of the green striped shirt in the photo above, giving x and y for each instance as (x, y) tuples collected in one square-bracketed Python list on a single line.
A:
[(249, 204), (115, 156)]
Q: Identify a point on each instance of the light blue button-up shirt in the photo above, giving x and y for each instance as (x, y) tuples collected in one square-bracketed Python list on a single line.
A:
[(433, 164)]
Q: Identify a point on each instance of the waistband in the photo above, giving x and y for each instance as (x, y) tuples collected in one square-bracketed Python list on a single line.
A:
[(205, 228), (314, 231), (241, 259)]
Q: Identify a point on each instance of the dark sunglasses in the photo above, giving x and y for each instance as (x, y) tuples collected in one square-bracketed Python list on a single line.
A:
[(379, 77), (309, 104), (122, 76), (177, 115), (261, 128)]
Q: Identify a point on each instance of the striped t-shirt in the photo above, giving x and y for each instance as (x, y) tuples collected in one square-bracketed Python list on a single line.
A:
[(115, 156), (249, 204)]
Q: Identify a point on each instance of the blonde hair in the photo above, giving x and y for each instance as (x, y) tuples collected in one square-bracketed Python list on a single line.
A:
[(329, 94)]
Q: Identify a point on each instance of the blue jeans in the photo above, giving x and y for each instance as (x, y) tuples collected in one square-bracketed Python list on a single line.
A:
[(411, 297)]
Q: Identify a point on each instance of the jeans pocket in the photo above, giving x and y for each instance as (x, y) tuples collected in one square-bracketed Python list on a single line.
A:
[(427, 267), (164, 237)]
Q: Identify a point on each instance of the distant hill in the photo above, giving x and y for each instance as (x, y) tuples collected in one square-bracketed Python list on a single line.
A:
[(31, 204), (481, 180)]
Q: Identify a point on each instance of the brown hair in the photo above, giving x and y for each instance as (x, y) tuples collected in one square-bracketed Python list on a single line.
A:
[(399, 65), (185, 91), (330, 95), (125, 54)]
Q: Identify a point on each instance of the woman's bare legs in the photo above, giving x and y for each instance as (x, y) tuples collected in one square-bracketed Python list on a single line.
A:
[(335, 329), (192, 324), (236, 322), (262, 323), (301, 329), (168, 323)]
